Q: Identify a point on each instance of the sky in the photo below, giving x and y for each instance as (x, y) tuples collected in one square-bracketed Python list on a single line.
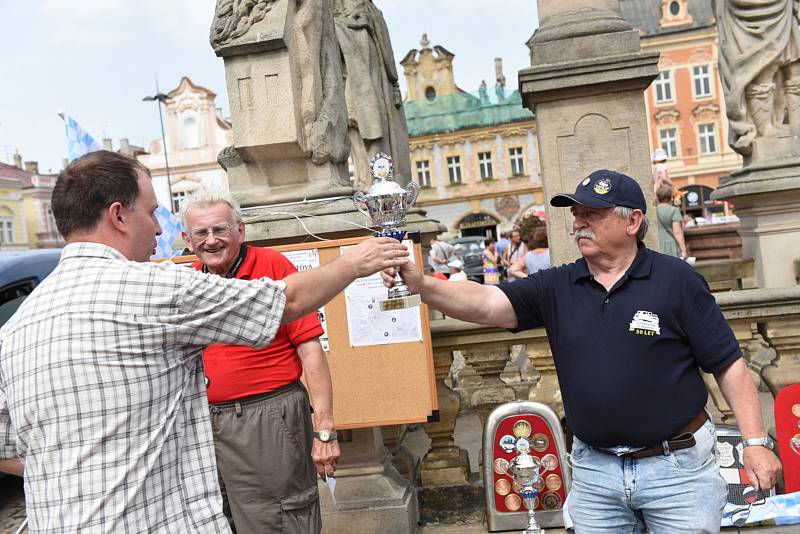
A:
[(96, 59)]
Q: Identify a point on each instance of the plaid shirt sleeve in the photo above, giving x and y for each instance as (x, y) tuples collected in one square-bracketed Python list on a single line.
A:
[(8, 437), (229, 311)]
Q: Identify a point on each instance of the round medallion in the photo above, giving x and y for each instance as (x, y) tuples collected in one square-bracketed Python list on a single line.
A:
[(549, 462), (381, 166), (551, 501), (553, 482), (796, 410), (602, 186), (522, 429), (523, 445), (513, 502), (502, 486), (540, 443), (501, 466), (507, 443)]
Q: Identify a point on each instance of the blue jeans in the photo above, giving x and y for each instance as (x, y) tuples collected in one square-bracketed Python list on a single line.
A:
[(682, 492)]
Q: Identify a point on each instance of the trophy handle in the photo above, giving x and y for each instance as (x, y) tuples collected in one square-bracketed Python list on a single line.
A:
[(360, 202), (413, 192)]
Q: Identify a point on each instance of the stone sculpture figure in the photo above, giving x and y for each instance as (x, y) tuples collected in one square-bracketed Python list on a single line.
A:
[(375, 113), (305, 29), (760, 68)]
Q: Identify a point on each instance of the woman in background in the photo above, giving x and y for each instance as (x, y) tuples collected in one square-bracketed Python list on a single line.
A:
[(491, 272), (670, 224), (536, 259)]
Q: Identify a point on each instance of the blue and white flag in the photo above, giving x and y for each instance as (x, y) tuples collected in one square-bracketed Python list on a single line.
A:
[(171, 228), (80, 143)]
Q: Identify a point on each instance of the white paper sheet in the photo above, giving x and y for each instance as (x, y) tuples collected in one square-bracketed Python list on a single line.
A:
[(302, 261), (367, 324)]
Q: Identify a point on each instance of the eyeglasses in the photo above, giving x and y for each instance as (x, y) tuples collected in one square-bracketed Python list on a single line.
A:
[(218, 230)]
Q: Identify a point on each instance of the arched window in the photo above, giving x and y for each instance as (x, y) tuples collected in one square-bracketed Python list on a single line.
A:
[(191, 137)]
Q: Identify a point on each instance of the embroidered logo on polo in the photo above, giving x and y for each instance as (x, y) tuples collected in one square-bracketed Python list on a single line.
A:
[(602, 186), (645, 323)]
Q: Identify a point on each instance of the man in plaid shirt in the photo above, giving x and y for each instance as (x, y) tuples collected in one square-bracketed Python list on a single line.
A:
[(102, 400)]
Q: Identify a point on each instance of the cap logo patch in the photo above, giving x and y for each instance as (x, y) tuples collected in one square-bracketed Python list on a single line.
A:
[(603, 186), (586, 182)]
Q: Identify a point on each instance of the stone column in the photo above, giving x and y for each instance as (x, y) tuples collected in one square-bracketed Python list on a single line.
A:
[(784, 336), (445, 463), (586, 87), (480, 386), (371, 496)]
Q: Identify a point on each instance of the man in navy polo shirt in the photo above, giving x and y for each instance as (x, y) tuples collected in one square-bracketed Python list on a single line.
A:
[(630, 330)]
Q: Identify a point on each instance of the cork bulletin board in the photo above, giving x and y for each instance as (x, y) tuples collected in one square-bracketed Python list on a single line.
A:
[(373, 385)]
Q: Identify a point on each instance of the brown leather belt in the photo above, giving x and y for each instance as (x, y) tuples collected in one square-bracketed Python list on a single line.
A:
[(683, 440)]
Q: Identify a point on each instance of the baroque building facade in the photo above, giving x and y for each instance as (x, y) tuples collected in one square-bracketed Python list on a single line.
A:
[(685, 103), (475, 157), (26, 220), (195, 133)]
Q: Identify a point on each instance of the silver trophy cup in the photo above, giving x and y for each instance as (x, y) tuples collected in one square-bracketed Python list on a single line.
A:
[(526, 471), (386, 204)]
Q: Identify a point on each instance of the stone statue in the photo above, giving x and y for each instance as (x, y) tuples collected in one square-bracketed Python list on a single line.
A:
[(759, 64), (305, 29), (375, 113)]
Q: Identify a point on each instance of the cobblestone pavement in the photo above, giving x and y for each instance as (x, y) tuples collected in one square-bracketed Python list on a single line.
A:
[(12, 504)]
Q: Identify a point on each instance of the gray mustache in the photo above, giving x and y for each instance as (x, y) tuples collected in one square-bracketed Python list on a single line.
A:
[(588, 234)]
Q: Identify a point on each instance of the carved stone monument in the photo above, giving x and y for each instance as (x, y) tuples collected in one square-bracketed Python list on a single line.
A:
[(759, 63), (288, 168), (286, 94), (586, 87), (375, 116)]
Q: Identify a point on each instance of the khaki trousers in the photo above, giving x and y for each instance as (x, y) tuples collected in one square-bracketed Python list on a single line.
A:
[(263, 449)]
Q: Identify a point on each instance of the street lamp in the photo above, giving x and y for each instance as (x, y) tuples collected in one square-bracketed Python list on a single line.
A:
[(162, 98)]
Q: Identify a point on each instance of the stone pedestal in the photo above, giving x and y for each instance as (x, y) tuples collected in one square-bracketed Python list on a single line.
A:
[(286, 92), (479, 381), (766, 195), (784, 336), (586, 87), (371, 496)]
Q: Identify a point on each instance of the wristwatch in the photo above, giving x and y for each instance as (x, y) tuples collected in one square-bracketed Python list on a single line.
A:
[(766, 441), (326, 436)]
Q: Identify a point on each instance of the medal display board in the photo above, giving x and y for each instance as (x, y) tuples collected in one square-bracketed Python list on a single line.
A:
[(535, 430), (532, 428), (787, 426), (373, 385)]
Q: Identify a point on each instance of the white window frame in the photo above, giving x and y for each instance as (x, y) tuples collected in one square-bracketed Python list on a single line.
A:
[(454, 169), (703, 78), (424, 172), (663, 84), (485, 165), (673, 152), (705, 136), (516, 159), (178, 198), (6, 230)]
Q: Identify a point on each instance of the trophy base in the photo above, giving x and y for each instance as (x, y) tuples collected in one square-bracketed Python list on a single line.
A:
[(400, 303)]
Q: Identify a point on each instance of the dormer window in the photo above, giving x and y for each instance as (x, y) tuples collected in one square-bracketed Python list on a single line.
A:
[(675, 13), (430, 94)]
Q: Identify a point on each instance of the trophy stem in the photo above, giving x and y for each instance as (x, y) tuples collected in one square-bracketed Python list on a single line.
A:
[(533, 526)]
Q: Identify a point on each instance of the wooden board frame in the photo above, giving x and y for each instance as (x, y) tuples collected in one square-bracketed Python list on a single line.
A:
[(378, 385)]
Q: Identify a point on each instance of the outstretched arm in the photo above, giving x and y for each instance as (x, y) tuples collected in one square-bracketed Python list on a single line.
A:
[(308, 290), (468, 301)]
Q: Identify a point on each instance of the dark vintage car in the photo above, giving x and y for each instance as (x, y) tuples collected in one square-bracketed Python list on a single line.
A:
[(20, 272), (469, 250)]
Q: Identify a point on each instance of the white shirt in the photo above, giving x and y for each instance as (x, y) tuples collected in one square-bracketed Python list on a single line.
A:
[(102, 392)]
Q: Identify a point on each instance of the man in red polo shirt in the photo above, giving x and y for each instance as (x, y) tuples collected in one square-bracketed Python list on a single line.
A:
[(268, 460)]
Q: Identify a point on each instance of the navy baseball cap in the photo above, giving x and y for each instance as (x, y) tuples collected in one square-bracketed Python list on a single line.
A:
[(604, 189)]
